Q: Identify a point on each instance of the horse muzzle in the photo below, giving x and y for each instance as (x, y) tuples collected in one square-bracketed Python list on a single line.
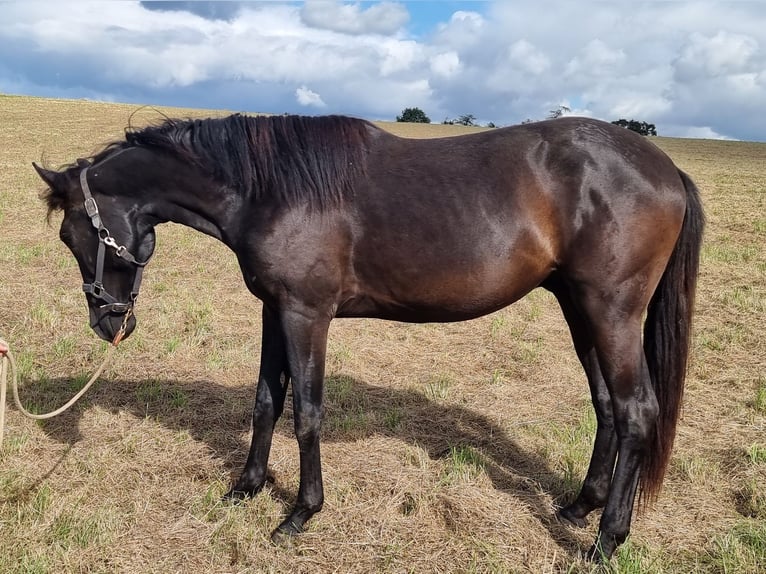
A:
[(112, 323)]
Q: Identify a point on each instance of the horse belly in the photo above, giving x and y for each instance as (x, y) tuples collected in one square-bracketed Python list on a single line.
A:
[(443, 293)]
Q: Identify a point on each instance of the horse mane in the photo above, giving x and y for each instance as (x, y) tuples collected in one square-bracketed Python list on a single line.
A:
[(294, 159)]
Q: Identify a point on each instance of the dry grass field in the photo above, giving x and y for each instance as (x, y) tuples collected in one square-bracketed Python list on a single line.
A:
[(446, 447)]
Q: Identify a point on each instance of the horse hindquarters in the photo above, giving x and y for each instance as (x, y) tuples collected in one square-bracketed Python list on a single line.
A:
[(643, 381)]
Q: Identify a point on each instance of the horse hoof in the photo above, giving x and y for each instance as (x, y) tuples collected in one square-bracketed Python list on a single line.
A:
[(567, 517), (598, 554), (283, 538), (595, 555)]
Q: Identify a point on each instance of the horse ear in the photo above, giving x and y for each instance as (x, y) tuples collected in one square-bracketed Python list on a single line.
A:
[(51, 178)]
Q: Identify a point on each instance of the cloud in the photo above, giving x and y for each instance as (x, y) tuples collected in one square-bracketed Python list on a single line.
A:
[(445, 64), (527, 57), (381, 18), (676, 64), (306, 97), (724, 54), (225, 10), (596, 58), (705, 132)]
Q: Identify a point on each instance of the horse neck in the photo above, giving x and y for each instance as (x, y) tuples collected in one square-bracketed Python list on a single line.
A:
[(187, 196)]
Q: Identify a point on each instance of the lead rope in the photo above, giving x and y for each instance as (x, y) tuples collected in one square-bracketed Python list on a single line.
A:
[(9, 364)]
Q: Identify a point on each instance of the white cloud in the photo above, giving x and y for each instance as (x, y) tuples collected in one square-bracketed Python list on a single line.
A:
[(596, 58), (673, 64), (446, 64), (526, 56), (723, 54), (381, 18), (306, 97), (463, 29), (704, 132), (398, 55)]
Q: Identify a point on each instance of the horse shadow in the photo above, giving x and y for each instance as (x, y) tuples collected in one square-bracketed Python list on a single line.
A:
[(201, 407)]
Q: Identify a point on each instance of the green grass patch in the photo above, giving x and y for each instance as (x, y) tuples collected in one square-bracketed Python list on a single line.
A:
[(462, 464), (745, 298), (727, 252), (157, 394), (338, 354), (393, 418), (64, 347), (31, 561), (497, 377), (721, 337), (341, 393), (497, 325), (172, 344), (756, 454), (742, 549), (198, 319), (751, 498), (42, 316), (569, 447), (72, 529), (149, 392), (352, 423), (13, 444), (438, 388), (759, 402), (695, 468)]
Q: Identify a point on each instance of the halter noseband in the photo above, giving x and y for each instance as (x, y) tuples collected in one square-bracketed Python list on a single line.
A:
[(96, 289)]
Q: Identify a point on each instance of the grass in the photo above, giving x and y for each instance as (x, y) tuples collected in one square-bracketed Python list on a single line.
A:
[(569, 447), (463, 464), (445, 447), (756, 453), (759, 403), (742, 549)]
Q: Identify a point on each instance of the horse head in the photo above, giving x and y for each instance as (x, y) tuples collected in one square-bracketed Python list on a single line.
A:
[(108, 237)]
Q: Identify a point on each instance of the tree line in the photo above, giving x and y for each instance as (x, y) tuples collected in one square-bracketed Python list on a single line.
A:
[(416, 115)]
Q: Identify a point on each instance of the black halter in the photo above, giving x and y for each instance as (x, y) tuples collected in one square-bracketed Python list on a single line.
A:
[(96, 289)]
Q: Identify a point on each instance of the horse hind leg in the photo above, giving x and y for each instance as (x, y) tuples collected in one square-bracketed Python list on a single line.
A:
[(595, 488), (615, 325)]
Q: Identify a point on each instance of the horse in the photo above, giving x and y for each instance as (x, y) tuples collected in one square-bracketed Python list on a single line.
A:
[(333, 217)]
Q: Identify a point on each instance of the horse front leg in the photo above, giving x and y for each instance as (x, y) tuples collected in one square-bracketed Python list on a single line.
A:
[(306, 342), (269, 403)]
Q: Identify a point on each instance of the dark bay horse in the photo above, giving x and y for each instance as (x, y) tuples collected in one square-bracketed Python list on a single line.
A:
[(334, 217)]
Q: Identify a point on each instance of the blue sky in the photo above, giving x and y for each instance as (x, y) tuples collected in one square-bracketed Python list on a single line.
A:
[(693, 68)]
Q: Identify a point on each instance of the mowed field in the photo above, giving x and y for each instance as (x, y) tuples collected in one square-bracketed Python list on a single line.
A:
[(446, 448)]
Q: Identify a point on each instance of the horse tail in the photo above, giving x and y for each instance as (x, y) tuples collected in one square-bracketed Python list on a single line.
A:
[(667, 338)]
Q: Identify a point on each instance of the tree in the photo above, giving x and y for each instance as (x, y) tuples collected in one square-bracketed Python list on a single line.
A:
[(413, 115), (643, 128), (464, 120), (558, 112)]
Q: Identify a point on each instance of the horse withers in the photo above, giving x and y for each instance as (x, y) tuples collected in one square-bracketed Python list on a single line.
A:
[(333, 217)]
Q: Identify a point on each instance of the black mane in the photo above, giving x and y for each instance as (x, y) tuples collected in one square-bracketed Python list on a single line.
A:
[(291, 158)]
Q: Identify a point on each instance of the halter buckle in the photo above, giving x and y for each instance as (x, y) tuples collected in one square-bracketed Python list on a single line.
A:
[(90, 207)]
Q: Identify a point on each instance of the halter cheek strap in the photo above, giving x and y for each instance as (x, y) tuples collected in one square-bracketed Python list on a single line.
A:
[(96, 289)]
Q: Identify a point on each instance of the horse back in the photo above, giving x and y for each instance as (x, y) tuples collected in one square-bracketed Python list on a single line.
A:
[(452, 228)]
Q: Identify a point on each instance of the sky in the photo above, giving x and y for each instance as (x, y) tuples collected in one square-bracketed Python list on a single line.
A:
[(692, 68)]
